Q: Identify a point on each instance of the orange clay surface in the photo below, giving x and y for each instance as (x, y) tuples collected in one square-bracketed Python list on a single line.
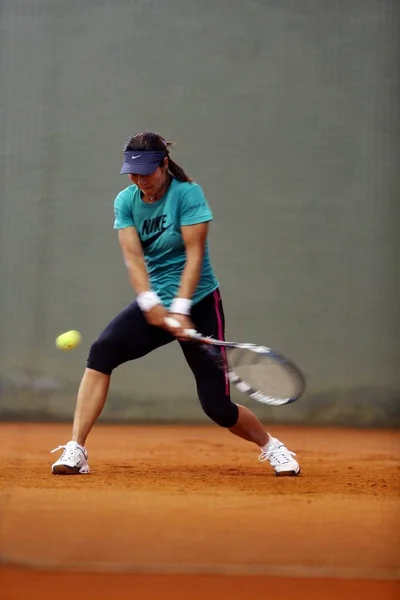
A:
[(189, 513)]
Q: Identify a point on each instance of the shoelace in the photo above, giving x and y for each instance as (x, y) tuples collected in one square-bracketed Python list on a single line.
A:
[(68, 451), (277, 456)]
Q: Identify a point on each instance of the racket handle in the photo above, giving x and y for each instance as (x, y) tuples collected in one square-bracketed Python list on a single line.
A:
[(173, 324)]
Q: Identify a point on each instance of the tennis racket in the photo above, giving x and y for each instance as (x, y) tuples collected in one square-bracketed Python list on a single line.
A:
[(260, 372)]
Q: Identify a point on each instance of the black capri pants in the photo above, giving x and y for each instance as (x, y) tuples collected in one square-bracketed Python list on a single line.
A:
[(128, 337)]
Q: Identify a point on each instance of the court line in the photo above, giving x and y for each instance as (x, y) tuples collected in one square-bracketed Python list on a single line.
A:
[(293, 571)]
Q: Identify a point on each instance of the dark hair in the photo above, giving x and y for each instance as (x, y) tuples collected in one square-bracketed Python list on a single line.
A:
[(147, 140)]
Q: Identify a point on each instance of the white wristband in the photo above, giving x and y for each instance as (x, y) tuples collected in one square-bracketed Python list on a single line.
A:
[(181, 306), (147, 300)]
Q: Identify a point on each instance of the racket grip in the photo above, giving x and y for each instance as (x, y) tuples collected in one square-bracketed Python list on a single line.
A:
[(173, 324)]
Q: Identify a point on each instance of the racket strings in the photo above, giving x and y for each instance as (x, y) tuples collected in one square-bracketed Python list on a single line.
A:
[(263, 373)]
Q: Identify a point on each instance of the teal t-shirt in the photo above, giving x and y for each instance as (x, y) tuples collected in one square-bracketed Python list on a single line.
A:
[(158, 226)]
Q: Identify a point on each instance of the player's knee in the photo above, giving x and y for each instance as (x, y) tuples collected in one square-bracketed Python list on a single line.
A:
[(102, 356), (225, 415)]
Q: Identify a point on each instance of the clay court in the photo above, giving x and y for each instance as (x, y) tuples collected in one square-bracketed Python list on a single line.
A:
[(189, 512)]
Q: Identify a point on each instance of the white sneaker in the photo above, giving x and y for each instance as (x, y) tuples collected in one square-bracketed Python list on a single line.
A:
[(73, 460), (280, 458)]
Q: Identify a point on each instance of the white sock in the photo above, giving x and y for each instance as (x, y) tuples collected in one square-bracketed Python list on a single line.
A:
[(265, 447), (76, 444)]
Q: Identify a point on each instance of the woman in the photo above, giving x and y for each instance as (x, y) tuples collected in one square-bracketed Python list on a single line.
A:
[(162, 221)]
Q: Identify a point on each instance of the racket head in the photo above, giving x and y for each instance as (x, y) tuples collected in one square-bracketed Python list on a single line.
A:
[(260, 372), (264, 374)]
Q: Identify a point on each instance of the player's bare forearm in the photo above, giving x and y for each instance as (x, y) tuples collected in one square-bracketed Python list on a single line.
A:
[(134, 259), (191, 275), (137, 273), (194, 238)]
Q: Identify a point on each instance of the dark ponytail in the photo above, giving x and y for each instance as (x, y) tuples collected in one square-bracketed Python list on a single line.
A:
[(147, 140), (177, 171)]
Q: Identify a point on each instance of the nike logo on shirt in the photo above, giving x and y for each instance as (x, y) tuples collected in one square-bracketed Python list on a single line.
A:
[(153, 238)]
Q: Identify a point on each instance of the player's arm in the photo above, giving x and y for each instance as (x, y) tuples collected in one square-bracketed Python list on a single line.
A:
[(134, 259), (195, 215), (153, 309), (129, 241), (194, 238)]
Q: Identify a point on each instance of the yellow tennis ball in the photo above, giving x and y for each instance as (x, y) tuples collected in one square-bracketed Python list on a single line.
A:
[(68, 340)]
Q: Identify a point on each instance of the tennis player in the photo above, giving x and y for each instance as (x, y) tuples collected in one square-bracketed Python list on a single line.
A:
[(162, 220)]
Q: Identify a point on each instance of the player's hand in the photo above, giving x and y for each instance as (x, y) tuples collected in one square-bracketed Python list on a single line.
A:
[(185, 324), (156, 316)]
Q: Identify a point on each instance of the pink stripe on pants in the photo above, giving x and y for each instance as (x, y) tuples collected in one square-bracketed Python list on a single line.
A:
[(221, 338)]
